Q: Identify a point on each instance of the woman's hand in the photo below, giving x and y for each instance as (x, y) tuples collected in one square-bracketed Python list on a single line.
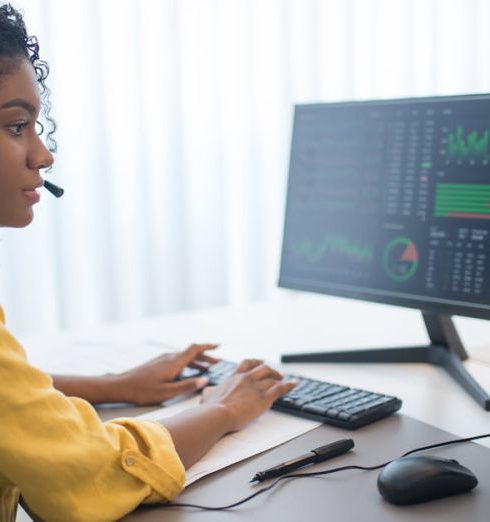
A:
[(250, 391), (153, 382), (225, 408), (150, 383)]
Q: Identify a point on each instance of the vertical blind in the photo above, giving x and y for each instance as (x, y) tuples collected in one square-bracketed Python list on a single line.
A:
[(174, 122)]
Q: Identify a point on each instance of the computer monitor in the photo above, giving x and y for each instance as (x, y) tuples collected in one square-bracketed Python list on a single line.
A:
[(389, 201)]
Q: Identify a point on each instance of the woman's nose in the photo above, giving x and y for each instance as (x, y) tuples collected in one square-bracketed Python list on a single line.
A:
[(40, 157)]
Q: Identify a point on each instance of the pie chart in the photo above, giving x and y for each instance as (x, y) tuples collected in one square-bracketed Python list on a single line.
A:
[(400, 259)]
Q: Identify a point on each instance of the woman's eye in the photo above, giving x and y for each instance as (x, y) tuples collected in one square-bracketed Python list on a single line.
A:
[(17, 128)]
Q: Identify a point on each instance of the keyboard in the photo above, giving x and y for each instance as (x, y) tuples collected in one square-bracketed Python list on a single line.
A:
[(330, 403)]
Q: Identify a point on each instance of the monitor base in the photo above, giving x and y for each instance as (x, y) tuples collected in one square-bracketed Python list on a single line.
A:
[(446, 350)]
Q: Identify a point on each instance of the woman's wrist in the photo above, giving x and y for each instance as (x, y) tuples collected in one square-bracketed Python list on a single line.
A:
[(210, 420), (95, 389), (110, 388), (223, 414)]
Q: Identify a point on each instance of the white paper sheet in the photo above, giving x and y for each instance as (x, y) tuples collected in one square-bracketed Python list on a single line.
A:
[(267, 431)]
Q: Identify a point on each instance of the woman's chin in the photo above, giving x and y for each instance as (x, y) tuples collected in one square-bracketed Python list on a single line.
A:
[(20, 221)]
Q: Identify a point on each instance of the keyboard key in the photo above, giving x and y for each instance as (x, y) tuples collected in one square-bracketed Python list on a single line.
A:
[(355, 410), (377, 402), (344, 415), (315, 408)]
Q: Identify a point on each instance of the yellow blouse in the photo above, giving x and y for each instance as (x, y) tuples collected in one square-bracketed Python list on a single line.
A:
[(66, 463)]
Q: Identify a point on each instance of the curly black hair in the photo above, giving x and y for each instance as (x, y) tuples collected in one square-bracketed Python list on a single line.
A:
[(15, 43)]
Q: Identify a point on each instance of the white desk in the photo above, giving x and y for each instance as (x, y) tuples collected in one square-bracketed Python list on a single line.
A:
[(292, 323)]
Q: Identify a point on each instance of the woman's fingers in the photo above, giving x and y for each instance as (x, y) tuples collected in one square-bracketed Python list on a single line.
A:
[(279, 388), (199, 366), (247, 365), (265, 384), (194, 351), (172, 389), (263, 371), (207, 358)]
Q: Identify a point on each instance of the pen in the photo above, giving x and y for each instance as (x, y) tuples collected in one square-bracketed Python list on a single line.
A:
[(316, 455)]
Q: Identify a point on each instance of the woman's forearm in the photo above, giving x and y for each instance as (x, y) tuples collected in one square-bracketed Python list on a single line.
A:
[(195, 431), (98, 389)]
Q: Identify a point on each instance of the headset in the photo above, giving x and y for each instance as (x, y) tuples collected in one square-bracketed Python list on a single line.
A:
[(54, 189)]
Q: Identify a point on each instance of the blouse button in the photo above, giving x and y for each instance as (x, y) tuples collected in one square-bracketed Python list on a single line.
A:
[(130, 461)]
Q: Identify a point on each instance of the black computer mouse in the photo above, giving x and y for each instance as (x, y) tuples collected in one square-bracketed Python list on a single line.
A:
[(414, 479)]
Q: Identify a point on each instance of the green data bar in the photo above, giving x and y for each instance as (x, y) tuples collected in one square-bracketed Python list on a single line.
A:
[(462, 198), (472, 201), (460, 187), (463, 208)]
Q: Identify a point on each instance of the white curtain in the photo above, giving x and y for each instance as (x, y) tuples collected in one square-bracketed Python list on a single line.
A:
[(174, 126)]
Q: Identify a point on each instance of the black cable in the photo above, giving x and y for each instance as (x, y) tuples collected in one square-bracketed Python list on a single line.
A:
[(316, 474), (440, 444)]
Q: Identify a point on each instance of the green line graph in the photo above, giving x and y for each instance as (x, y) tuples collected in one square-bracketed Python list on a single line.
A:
[(314, 251), (473, 145)]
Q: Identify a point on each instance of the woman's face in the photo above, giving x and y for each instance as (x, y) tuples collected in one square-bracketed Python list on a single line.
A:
[(22, 153)]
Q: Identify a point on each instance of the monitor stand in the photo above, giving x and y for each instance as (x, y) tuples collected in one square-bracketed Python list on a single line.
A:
[(445, 349)]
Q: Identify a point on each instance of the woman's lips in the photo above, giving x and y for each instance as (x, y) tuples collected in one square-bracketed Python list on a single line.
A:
[(32, 194)]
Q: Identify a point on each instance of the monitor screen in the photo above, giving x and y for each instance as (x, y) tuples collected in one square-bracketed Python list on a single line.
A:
[(389, 201)]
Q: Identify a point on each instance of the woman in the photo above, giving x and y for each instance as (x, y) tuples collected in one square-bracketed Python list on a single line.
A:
[(54, 451)]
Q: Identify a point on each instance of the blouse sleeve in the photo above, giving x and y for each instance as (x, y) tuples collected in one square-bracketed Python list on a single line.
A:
[(67, 463)]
